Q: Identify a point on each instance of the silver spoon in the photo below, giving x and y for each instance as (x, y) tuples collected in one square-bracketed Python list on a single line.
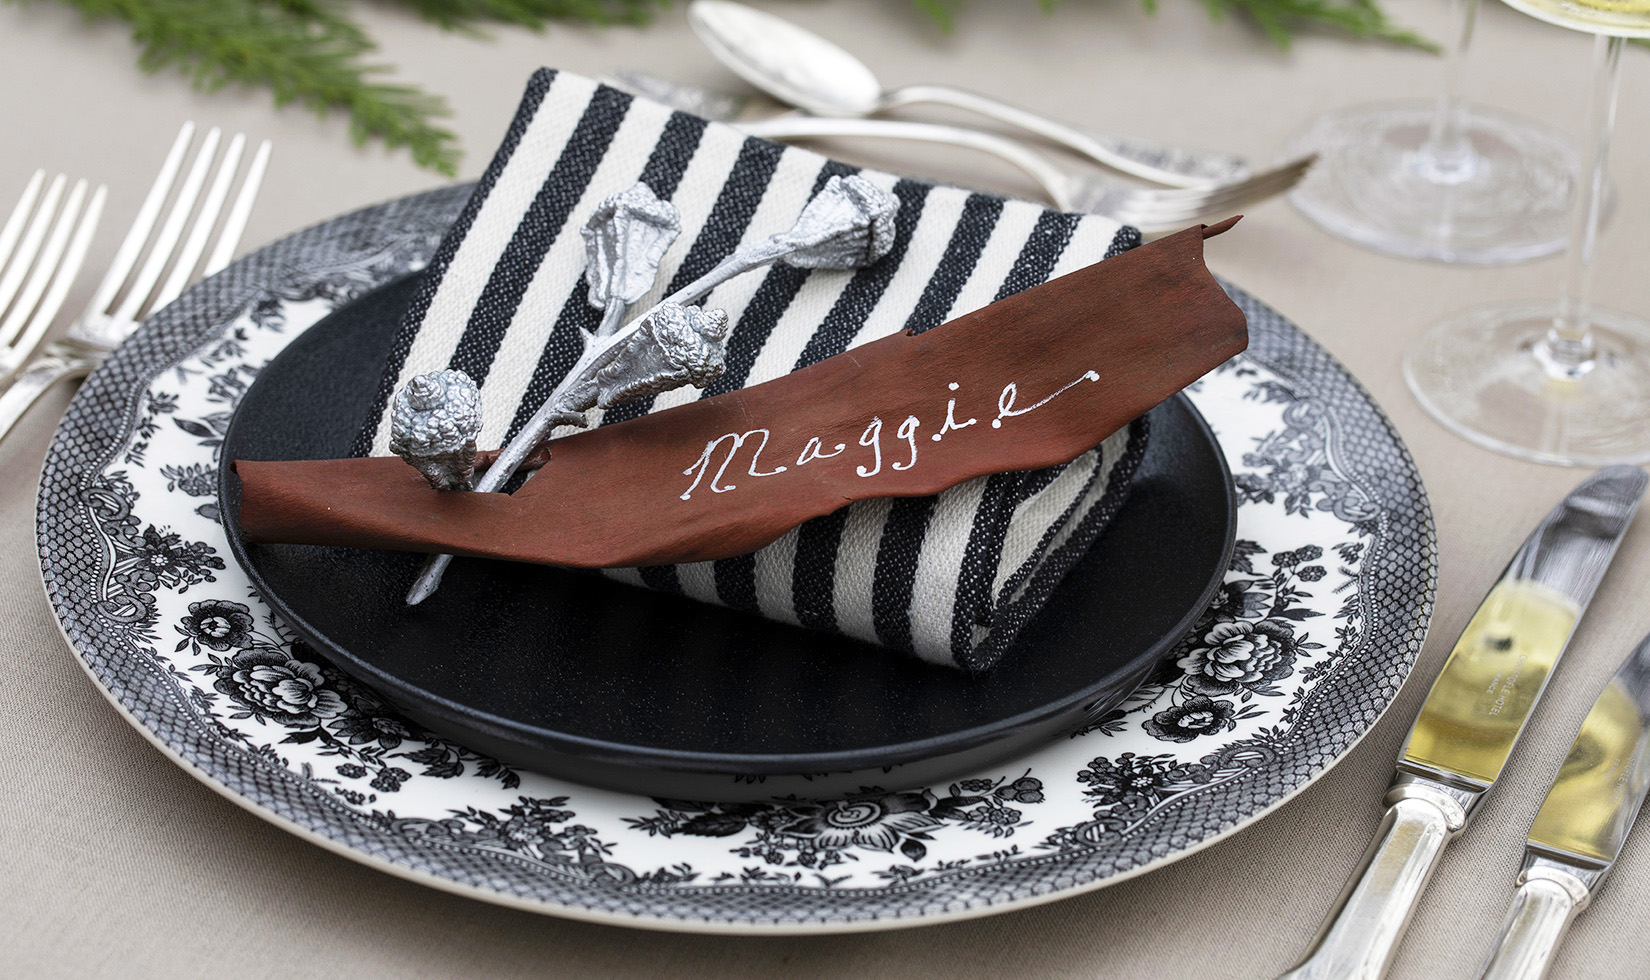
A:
[(803, 69)]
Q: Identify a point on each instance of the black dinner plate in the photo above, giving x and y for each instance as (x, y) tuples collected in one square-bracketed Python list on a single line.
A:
[(577, 676)]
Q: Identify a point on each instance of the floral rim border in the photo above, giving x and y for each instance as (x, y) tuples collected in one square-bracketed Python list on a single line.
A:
[(357, 252)]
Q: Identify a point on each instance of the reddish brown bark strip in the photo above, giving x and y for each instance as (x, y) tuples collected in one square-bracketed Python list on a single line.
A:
[(1031, 381)]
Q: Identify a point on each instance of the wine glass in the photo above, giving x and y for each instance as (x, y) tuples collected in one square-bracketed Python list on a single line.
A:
[(1439, 180), (1562, 382)]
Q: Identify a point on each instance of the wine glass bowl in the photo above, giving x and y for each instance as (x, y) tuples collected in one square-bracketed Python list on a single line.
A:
[(1498, 193), (1562, 382)]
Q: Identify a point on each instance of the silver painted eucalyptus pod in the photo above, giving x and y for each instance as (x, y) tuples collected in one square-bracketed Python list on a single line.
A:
[(625, 239), (433, 426)]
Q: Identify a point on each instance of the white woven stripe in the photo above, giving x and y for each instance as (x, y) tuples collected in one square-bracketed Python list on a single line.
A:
[(491, 231), (934, 590), (775, 574), (940, 211), (542, 303), (698, 580), (856, 566), (1033, 518), (1089, 241), (628, 576)]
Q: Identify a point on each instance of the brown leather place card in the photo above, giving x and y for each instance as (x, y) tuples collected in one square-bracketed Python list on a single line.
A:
[(1027, 382)]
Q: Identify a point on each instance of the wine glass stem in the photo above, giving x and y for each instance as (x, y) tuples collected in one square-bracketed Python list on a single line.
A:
[(1569, 350), (1448, 156)]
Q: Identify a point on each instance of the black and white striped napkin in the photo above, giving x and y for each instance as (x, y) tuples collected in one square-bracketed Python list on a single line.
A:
[(951, 578)]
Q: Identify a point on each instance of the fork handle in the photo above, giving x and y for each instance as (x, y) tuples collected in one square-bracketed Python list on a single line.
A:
[(1173, 166), (1054, 182), (36, 379)]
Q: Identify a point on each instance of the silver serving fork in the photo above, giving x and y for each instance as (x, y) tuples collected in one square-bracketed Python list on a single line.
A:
[(29, 300), (1150, 209), (104, 324)]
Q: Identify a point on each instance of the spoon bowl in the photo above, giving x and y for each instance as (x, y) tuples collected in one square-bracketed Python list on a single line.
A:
[(802, 69), (790, 63)]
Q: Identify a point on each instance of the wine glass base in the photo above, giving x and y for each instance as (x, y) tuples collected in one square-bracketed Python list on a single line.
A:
[(1478, 372), (1506, 201)]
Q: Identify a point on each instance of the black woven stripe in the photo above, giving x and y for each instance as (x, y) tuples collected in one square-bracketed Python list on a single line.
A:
[(1127, 237), (736, 582), (779, 287), (663, 173), (729, 219), (979, 217), (860, 296), (669, 159), (896, 572), (979, 564), (662, 578), (1041, 252), (545, 220), (413, 319), (813, 579)]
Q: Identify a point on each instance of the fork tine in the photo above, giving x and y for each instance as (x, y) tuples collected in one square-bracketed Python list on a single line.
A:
[(204, 222), (160, 251), (14, 224), (45, 267), (31, 242), (1265, 185), (132, 246), (67, 270), (235, 224)]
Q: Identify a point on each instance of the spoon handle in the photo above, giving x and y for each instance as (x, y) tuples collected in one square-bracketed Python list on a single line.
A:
[(1156, 162)]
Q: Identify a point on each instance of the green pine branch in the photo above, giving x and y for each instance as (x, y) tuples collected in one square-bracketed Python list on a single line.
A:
[(1280, 20), (304, 51), (312, 53)]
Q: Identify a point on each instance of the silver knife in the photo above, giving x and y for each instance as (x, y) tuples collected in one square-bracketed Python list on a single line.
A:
[(1472, 718), (1581, 825)]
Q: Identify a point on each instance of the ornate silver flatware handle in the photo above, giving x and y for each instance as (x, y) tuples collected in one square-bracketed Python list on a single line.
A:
[(1547, 900), (1362, 933)]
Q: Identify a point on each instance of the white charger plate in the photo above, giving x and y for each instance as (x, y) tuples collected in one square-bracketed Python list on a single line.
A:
[(1323, 613)]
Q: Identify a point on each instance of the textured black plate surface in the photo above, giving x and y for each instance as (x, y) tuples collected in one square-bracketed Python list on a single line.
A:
[(571, 674)]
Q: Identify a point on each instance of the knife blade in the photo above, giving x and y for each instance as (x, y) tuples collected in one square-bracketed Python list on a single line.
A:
[(1581, 825), (1472, 719)]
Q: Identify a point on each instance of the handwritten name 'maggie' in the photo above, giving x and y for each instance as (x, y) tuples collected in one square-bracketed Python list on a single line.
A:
[(903, 453)]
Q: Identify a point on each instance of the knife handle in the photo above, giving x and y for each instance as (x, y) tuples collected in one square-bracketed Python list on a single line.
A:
[(1542, 909), (1358, 940)]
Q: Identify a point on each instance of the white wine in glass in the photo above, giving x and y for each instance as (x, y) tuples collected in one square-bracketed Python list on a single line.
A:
[(1619, 18), (1563, 382)]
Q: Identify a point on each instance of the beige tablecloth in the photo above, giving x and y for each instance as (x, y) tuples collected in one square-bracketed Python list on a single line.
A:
[(115, 863)]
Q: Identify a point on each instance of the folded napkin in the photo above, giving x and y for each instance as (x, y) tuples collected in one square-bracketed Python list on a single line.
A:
[(951, 578)]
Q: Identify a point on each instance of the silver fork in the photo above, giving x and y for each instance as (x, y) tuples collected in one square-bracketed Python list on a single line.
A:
[(29, 300), (104, 325), (1150, 209)]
